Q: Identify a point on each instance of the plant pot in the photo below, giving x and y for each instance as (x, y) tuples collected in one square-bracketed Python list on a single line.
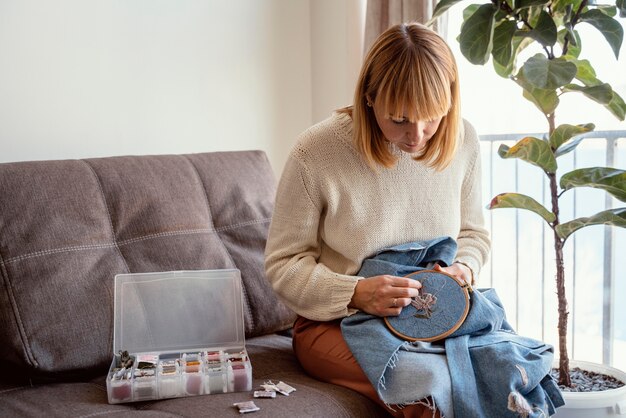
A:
[(607, 403)]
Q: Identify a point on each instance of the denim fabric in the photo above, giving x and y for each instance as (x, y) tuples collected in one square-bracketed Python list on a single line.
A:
[(405, 259), (486, 343), (493, 372), (520, 379)]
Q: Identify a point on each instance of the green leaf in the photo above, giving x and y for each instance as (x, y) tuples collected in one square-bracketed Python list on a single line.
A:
[(621, 5), (477, 34), (532, 150), (545, 100), (611, 180), (615, 217), (571, 35), (468, 11), (602, 93), (617, 106), (544, 31), (608, 26), (520, 201), (610, 11), (565, 132), (570, 146), (585, 72), (522, 4), (518, 45), (503, 71), (548, 74), (502, 42), (441, 8)]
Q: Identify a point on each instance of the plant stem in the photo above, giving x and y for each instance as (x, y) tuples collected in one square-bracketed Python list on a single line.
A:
[(564, 378)]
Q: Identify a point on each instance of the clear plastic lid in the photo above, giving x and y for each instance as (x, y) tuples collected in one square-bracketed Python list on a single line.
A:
[(178, 311)]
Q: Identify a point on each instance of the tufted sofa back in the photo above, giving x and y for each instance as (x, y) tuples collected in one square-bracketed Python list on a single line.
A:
[(68, 227)]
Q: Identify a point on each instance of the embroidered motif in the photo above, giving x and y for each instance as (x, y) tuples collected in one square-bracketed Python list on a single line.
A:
[(425, 303)]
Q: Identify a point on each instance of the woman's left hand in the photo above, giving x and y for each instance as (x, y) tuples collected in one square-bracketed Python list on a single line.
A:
[(457, 270)]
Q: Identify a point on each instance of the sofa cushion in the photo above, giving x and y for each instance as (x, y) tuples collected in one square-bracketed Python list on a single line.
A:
[(68, 227)]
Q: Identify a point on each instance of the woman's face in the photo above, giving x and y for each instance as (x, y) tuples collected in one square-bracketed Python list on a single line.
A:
[(410, 137)]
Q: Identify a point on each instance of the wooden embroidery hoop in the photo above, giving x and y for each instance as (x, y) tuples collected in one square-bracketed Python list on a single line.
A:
[(458, 286)]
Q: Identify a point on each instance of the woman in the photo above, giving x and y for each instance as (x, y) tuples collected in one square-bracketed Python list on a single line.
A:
[(398, 166)]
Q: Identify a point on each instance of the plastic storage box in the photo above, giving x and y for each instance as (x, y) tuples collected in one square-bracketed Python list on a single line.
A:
[(178, 334)]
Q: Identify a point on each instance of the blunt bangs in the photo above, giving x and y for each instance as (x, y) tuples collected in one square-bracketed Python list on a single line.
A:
[(425, 94)]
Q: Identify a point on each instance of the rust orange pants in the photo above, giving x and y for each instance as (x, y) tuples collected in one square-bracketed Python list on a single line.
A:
[(323, 353)]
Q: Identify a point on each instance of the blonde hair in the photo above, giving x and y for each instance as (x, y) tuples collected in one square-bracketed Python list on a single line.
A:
[(412, 72)]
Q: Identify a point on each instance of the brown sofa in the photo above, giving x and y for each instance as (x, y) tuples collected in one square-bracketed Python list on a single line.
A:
[(68, 227)]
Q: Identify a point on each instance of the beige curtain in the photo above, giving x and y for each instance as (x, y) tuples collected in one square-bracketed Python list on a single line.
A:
[(382, 14)]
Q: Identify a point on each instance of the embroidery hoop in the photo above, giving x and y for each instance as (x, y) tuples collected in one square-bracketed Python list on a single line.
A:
[(447, 314)]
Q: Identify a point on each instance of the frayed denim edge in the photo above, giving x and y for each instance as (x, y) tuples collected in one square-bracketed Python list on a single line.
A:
[(391, 364)]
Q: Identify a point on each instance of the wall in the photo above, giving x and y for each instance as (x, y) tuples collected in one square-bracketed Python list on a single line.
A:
[(87, 78), (336, 53)]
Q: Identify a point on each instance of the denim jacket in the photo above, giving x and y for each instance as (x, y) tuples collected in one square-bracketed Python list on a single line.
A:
[(491, 371)]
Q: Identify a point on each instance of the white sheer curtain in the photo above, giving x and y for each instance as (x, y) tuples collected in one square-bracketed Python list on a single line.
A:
[(382, 14)]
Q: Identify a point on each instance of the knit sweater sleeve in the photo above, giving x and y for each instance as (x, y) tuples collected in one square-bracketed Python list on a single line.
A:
[(473, 240), (293, 247)]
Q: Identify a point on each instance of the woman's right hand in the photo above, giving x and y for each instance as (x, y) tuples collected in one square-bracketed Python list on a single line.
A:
[(384, 295)]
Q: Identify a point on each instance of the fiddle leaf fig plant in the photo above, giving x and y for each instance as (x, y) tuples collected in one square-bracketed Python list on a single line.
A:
[(499, 31)]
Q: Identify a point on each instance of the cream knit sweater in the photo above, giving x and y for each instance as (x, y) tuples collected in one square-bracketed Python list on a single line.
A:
[(333, 211)]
